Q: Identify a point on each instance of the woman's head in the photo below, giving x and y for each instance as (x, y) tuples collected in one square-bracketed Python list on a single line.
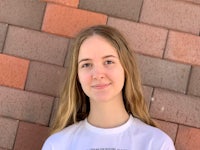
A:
[(74, 104), (100, 72)]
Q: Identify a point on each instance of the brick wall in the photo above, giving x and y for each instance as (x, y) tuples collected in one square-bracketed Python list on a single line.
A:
[(34, 40)]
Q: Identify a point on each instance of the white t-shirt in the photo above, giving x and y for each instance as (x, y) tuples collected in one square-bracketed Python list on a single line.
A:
[(133, 135)]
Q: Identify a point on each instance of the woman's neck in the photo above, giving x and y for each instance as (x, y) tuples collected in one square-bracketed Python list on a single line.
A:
[(107, 114)]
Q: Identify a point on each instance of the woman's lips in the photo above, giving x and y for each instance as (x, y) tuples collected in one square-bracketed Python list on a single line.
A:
[(100, 86)]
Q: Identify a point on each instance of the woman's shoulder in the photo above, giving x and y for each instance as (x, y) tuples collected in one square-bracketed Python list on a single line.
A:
[(68, 131), (141, 126), (59, 139), (153, 134)]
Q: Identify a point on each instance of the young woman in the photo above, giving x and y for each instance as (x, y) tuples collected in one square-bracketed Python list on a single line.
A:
[(102, 105)]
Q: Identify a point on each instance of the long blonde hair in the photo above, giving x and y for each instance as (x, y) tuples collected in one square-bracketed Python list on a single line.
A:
[(74, 104)]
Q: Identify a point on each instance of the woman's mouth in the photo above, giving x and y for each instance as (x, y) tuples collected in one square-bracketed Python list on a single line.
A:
[(101, 86)]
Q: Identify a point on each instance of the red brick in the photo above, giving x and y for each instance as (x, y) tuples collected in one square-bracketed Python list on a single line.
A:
[(68, 21), (141, 38), (73, 3), (25, 106), (176, 107), (36, 45), (45, 78), (167, 127), (22, 12), (161, 73), (30, 136), (8, 129), (188, 138), (183, 47), (13, 71), (172, 14), (3, 29), (127, 9)]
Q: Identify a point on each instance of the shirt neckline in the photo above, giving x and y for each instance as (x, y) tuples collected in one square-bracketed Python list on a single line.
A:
[(114, 130)]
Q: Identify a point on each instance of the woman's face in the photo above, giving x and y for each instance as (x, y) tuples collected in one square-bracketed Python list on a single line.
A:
[(100, 72)]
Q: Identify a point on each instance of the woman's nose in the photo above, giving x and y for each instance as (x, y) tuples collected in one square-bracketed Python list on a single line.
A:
[(98, 72)]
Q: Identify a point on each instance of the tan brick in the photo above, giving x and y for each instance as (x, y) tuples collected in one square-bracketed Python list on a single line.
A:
[(194, 1), (147, 94), (36, 45), (22, 13), (172, 14), (128, 9), (69, 53), (45, 78), (3, 149), (8, 129), (3, 29), (30, 136), (24, 105), (176, 107), (169, 128), (67, 21), (53, 114), (13, 71), (194, 85), (188, 138), (141, 38), (73, 3), (183, 47), (161, 73)]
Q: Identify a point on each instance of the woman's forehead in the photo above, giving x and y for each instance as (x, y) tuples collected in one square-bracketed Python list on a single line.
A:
[(96, 46)]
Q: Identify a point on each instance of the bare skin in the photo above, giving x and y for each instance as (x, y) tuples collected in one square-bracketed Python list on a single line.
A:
[(101, 76)]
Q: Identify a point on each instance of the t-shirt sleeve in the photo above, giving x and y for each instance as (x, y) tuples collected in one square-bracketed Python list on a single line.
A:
[(169, 145), (47, 146)]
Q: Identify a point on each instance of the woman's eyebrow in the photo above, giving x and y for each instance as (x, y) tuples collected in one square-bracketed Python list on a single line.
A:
[(107, 56), (104, 57), (84, 59)]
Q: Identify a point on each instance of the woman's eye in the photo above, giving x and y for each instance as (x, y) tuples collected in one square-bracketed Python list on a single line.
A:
[(109, 62), (86, 65)]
